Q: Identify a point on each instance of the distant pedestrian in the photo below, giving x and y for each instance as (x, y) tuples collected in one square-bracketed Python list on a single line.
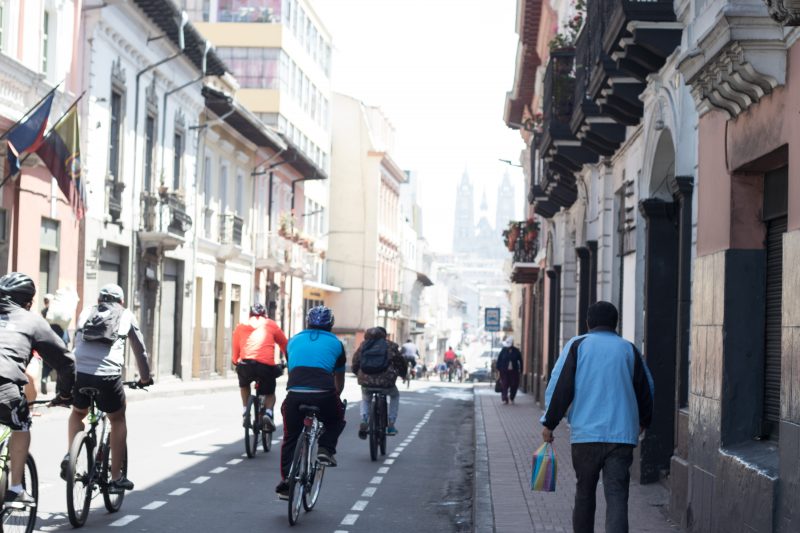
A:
[(509, 366), (609, 388)]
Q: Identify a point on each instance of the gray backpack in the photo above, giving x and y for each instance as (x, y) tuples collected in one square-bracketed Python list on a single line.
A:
[(103, 323)]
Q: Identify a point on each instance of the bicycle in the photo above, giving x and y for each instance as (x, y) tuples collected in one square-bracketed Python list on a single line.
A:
[(378, 421), (306, 472), (90, 465), (18, 517), (254, 426)]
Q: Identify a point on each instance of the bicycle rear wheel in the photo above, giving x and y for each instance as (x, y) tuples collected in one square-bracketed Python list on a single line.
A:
[(373, 428), (251, 427), (79, 480), (112, 501), (297, 479), (22, 520), (383, 424)]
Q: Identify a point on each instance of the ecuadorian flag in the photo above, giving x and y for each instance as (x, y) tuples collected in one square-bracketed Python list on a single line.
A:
[(60, 151)]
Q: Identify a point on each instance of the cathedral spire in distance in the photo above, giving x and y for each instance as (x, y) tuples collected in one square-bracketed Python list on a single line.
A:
[(464, 227)]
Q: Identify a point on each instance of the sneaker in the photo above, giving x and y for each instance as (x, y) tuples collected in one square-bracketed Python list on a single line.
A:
[(64, 467), (326, 457), (282, 490), (18, 500), (362, 431), (391, 430), (120, 485), (267, 424)]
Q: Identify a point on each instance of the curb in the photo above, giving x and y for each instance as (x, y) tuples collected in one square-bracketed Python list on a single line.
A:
[(483, 509)]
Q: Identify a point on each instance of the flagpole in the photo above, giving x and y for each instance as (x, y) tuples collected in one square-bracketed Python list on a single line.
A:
[(29, 111), (50, 132)]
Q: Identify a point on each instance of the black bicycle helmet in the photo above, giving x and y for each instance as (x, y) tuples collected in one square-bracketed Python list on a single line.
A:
[(17, 287), (320, 317), (258, 310)]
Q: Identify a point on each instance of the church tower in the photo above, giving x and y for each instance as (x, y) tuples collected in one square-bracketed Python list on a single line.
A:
[(505, 204), (464, 228)]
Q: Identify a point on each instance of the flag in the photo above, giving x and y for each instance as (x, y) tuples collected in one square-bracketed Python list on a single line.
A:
[(60, 151), (27, 135)]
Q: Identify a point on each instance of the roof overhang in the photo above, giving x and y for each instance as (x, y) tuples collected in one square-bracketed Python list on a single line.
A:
[(321, 286), (528, 20), (425, 280), (240, 119), (301, 162)]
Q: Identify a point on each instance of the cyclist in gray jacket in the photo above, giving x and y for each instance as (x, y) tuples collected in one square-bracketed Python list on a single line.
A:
[(100, 343), (22, 332)]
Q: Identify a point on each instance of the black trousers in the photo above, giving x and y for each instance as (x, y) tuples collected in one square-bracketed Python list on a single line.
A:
[(331, 415), (614, 461)]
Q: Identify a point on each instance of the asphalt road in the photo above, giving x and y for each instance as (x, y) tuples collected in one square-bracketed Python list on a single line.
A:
[(187, 461)]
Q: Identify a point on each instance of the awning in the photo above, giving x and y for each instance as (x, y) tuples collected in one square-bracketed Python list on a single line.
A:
[(425, 280), (321, 286), (242, 120)]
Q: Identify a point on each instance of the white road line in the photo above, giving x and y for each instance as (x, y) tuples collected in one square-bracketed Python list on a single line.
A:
[(360, 505), (399, 449), (369, 492), (383, 470), (187, 439), (395, 455), (200, 479), (179, 492), (153, 505), (349, 520), (218, 470), (389, 462), (234, 462), (340, 531), (125, 520), (275, 441), (376, 480)]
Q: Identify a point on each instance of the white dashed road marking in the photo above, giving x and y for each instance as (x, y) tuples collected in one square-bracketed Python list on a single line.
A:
[(153, 505), (349, 520), (383, 470), (389, 462), (376, 480), (200, 479), (125, 520), (218, 470), (189, 438), (234, 462), (369, 492), (179, 492), (360, 505)]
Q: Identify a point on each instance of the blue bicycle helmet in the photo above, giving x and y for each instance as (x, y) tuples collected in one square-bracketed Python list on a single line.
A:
[(320, 317)]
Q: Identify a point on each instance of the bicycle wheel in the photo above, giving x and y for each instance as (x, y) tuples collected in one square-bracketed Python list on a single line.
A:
[(314, 486), (383, 424), (297, 476), (251, 428), (373, 428), (112, 501), (22, 520), (79, 480), (266, 441)]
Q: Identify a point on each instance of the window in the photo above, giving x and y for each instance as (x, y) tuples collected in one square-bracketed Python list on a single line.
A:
[(177, 151), (48, 256), (114, 135), (208, 213), (149, 146), (240, 195), (45, 40), (223, 188)]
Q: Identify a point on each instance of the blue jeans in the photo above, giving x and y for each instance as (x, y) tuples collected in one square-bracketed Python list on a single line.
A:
[(614, 460), (393, 400)]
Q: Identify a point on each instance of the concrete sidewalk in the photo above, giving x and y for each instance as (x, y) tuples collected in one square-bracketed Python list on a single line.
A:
[(506, 437)]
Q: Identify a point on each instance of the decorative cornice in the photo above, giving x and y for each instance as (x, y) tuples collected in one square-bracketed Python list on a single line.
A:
[(787, 12)]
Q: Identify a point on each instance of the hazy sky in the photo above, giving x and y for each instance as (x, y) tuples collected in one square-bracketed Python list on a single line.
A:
[(440, 70)]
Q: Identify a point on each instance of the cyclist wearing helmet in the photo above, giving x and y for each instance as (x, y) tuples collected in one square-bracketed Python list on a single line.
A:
[(100, 339), (316, 377), (21, 332), (253, 355)]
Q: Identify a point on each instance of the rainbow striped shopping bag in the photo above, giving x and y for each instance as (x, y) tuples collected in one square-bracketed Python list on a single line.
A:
[(543, 477)]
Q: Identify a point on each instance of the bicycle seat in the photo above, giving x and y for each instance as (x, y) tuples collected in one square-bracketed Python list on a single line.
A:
[(376, 390), (89, 391), (309, 410)]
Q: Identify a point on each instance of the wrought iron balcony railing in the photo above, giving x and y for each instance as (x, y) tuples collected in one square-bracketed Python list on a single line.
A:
[(230, 229)]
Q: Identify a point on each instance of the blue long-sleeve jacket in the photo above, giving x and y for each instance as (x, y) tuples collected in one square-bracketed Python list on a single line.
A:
[(605, 384)]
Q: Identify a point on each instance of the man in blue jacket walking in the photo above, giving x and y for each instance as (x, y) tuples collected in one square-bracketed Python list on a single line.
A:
[(604, 382)]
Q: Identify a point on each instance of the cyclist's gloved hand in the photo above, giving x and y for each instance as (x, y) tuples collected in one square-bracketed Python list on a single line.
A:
[(61, 401), (142, 384)]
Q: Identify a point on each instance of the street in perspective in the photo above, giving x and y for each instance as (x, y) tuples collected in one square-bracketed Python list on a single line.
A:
[(400, 265)]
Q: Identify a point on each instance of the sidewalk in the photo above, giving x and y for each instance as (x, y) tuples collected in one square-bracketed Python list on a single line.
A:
[(506, 437)]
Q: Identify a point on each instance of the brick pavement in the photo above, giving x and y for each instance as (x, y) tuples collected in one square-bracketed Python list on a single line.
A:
[(512, 433)]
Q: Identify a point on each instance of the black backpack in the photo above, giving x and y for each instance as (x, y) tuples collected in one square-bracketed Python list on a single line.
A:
[(374, 356), (103, 323)]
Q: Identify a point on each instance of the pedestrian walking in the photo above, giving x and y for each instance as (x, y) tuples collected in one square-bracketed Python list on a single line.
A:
[(609, 388), (509, 366)]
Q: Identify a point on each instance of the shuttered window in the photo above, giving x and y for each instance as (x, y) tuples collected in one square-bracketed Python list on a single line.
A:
[(775, 209)]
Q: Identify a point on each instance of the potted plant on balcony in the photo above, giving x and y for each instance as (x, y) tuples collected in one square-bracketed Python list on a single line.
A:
[(286, 225), (531, 231), (565, 38), (511, 234)]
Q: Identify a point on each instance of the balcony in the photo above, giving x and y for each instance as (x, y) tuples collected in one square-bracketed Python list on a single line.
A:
[(523, 266), (164, 220), (230, 236), (390, 300), (114, 195)]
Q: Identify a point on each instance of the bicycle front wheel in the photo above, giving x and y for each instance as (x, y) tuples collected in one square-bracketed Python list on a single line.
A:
[(251, 427), (23, 520), (315, 476), (373, 429), (112, 501), (79, 480), (297, 479)]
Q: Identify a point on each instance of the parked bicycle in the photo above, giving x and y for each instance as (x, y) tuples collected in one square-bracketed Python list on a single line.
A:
[(90, 464), (306, 472), (256, 425), (18, 518), (378, 421)]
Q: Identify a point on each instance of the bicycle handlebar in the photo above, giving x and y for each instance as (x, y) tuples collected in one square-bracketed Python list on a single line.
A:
[(135, 385)]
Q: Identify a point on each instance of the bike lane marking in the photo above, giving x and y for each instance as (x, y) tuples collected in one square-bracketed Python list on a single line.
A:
[(189, 438), (200, 479), (218, 470), (154, 505), (179, 492), (349, 519), (234, 462), (124, 521), (360, 505)]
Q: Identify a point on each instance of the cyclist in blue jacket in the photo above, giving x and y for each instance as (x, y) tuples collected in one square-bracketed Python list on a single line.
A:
[(316, 362)]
